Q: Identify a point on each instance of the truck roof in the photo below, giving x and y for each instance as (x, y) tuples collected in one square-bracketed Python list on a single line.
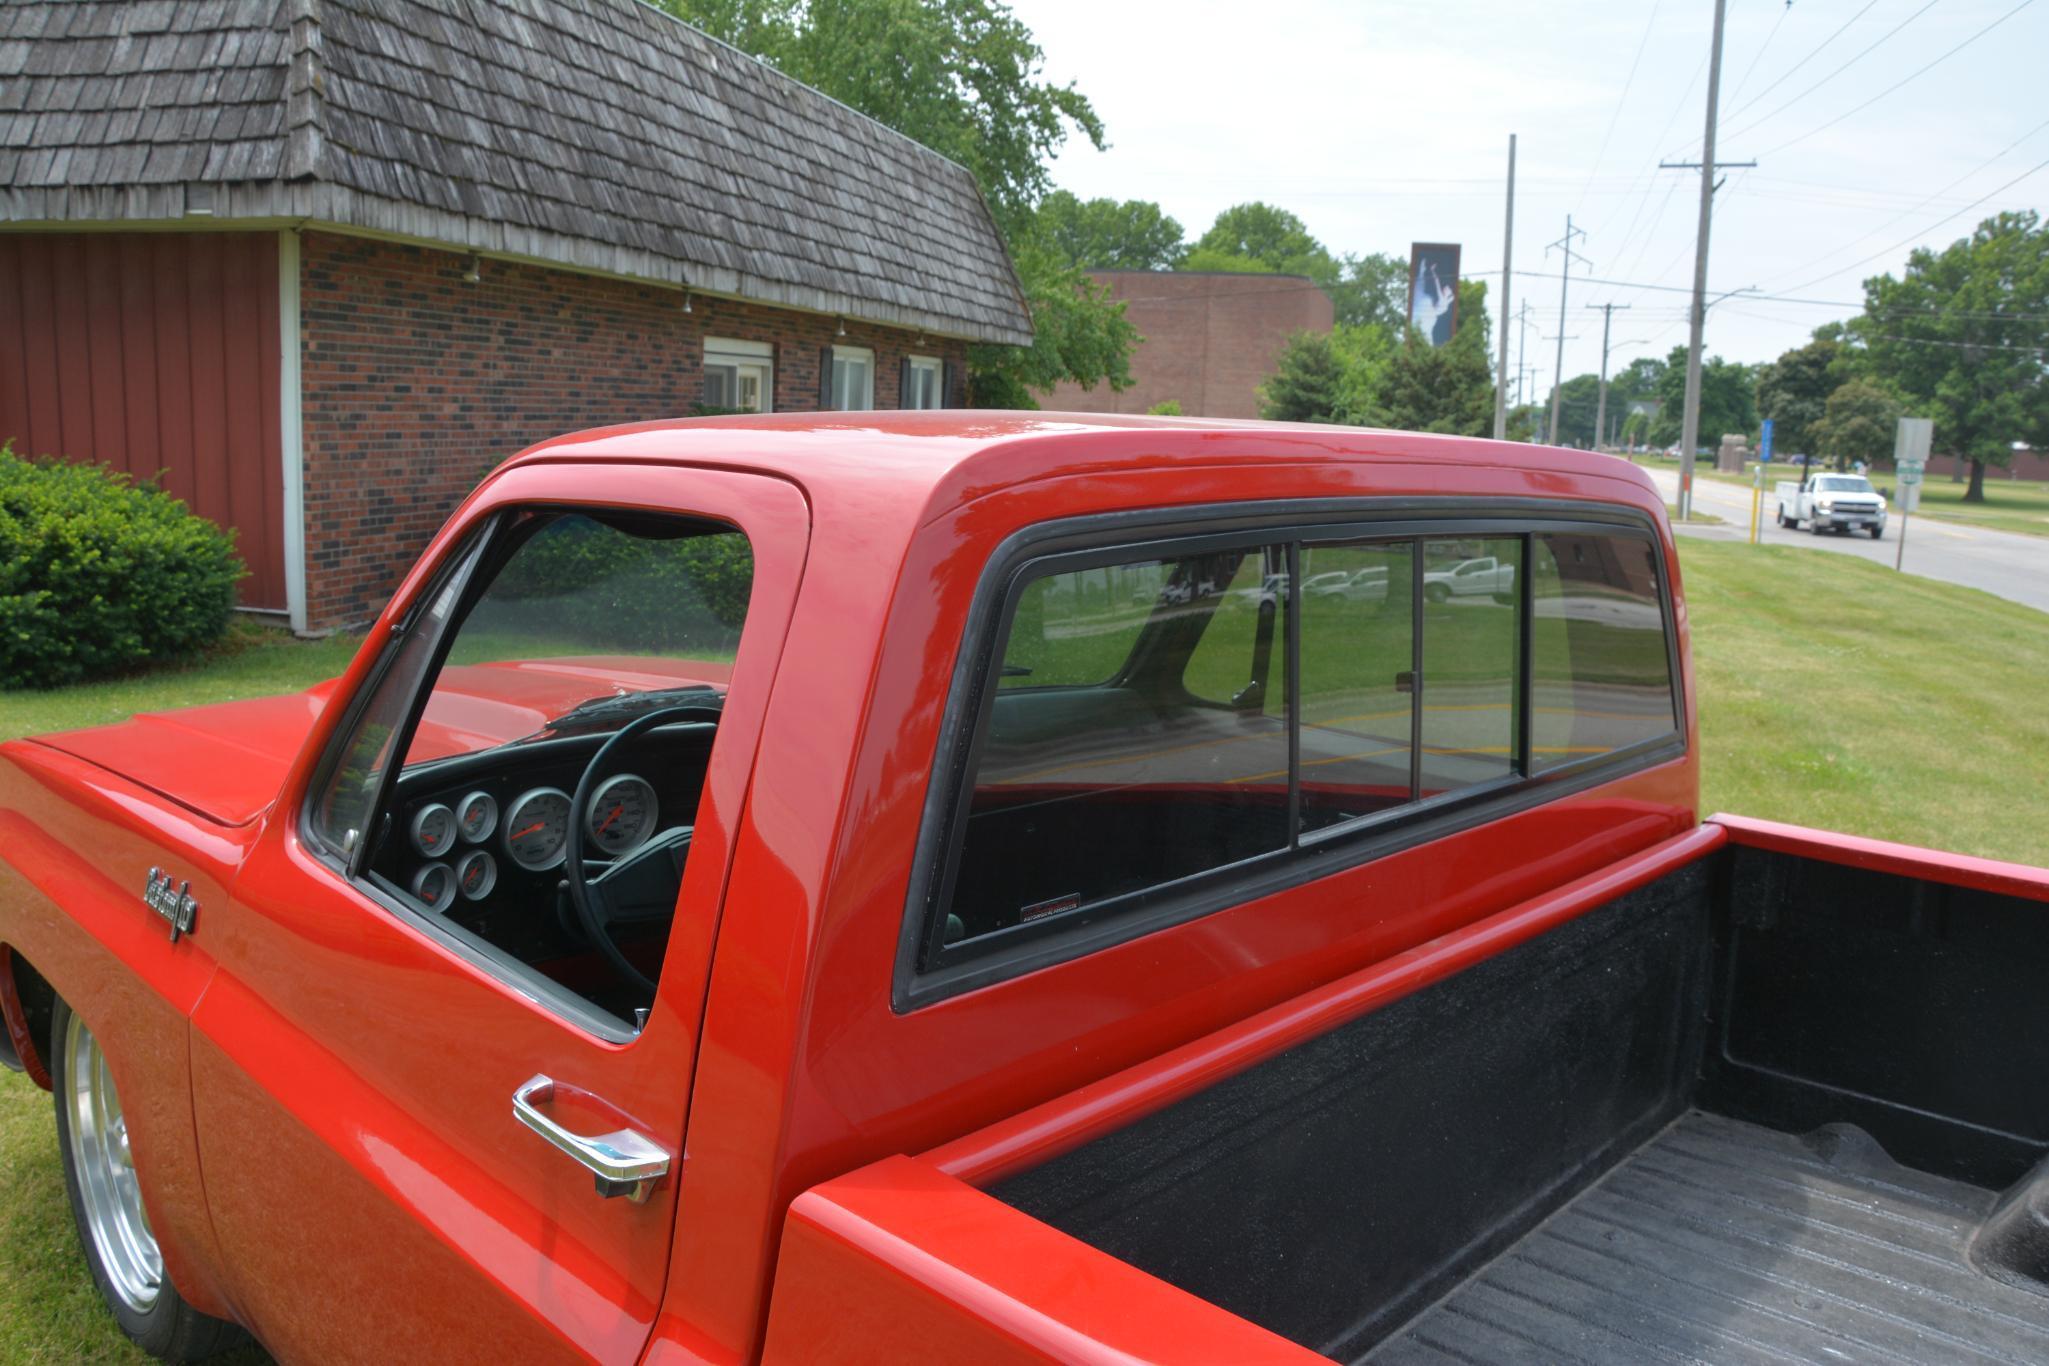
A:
[(940, 458)]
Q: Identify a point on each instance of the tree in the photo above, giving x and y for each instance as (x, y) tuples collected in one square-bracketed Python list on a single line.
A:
[(1634, 429), (1579, 403), (1961, 337), (1859, 422), (1447, 388), (1079, 333), (963, 78), (1304, 385), (1728, 399), (1793, 391), (1371, 290), (1273, 237), (1109, 234)]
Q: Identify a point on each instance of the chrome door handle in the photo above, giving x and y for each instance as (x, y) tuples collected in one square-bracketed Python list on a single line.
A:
[(624, 1163)]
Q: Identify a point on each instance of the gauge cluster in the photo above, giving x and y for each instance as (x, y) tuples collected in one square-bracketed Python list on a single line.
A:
[(491, 835)]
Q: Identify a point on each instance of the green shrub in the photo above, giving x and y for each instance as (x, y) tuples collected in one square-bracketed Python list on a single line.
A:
[(99, 574)]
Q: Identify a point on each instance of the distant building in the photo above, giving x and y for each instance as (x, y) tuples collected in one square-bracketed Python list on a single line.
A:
[(1211, 339)]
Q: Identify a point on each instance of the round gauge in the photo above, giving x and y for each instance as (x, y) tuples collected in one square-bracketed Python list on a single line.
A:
[(476, 873), (477, 814), (433, 830), (621, 814), (435, 885), (537, 828)]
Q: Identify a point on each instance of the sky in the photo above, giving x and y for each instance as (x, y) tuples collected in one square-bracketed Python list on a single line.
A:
[(1386, 122)]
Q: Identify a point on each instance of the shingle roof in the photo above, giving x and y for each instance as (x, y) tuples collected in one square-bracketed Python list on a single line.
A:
[(601, 134)]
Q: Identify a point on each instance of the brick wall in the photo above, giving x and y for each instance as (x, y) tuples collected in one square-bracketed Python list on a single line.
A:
[(417, 382), (1211, 339)]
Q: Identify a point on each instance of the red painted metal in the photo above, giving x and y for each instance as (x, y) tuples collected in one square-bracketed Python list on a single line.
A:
[(1905, 860), (897, 1254), (157, 354), (350, 1075)]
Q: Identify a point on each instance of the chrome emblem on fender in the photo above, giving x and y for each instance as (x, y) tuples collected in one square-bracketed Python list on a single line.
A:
[(172, 901)]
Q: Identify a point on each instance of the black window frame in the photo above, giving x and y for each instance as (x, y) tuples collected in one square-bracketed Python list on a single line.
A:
[(928, 970)]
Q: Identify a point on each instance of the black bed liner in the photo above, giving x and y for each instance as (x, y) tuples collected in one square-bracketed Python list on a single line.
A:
[(1757, 1109), (1721, 1241)]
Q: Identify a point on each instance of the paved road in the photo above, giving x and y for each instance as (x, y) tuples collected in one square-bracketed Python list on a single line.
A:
[(2014, 567)]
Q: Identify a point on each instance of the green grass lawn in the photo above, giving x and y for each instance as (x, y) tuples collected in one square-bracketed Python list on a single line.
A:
[(2010, 504), (1834, 693), (253, 661)]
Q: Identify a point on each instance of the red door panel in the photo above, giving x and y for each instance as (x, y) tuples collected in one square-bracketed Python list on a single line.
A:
[(353, 1075)]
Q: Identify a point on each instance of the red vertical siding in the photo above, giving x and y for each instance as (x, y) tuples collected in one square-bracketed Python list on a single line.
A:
[(157, 354)]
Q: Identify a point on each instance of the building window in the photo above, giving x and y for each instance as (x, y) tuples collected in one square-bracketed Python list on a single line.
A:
[(924, 382), (853, 378), (739, 376)]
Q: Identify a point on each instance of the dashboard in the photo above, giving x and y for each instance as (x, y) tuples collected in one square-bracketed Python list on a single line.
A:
[(481, 838)]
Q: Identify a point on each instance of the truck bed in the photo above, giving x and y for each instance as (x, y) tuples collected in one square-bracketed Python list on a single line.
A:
[(1763, 1108), (1725, 1241)]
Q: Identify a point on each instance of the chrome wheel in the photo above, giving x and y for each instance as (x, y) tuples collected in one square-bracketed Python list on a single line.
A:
[(106, 1172)]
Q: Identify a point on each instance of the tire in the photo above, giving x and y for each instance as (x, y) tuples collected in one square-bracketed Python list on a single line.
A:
[(1878, 533), (1782, 516), (1814, 528), (1437, 592), (113, 1231)]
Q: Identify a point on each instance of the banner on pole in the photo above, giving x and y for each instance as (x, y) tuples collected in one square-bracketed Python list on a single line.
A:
[(1433, 290)]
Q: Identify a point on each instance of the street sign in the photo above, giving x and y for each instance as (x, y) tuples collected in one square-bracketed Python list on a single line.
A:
[(1764, 441), (1910, 458), (1910, 447)]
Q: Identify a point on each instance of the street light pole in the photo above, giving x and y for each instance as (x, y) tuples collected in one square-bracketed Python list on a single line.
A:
[(1601, 407)]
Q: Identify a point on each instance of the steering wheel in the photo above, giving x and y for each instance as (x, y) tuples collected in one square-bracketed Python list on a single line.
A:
[(641, 885)]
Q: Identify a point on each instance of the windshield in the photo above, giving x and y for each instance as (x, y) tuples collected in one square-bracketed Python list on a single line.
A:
[(1843, 483), (590, 622)]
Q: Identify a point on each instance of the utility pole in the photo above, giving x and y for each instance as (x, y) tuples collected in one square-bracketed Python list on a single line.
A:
[(1556, 388), (1507, 264), (1522, 346), (1564, 244), (1601, 408), (1689, 419)]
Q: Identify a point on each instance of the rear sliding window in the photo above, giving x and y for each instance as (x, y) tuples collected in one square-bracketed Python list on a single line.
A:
[(1148, 723)]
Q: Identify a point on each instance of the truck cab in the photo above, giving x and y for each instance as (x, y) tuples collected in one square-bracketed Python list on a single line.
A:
[(835, 887)]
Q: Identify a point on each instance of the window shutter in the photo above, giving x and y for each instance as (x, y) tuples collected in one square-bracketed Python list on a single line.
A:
[(825, 379), (903, 382), (956, 386)]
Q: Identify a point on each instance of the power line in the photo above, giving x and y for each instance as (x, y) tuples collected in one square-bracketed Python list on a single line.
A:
[(1614, 117), (1885, 38), (1818, 49), (1922, 71), (1909, 241), (1908, 213), (1780, 23)]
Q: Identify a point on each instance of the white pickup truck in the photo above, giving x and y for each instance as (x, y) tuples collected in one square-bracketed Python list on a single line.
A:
[(1833, 502), (1485, 575)]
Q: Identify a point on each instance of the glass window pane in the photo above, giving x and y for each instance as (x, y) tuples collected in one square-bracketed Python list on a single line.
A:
[(1470, 658), (1600, 675), (1101, 772), (1358, 658)]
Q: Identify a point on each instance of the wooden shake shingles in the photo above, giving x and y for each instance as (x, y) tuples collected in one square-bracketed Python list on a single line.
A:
[(599, 133)]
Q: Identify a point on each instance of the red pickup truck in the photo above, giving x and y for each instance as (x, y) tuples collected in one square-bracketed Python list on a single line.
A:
[(875, 887)]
